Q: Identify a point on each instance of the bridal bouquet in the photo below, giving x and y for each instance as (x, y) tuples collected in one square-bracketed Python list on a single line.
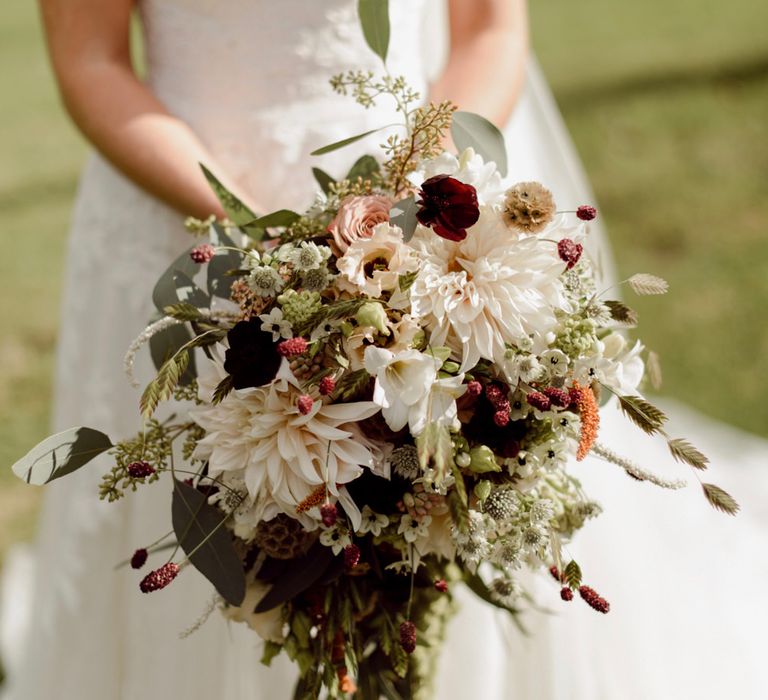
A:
[(378, 399)]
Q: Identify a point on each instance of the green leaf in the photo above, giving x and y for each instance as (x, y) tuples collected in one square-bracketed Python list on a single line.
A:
[(165, 344), (235, 210), (403, 215), (470, 130), (374, 18), (271, 650), (61, 454), (222, 389), (187, 291), (572, 574), (165, 291), (162, 386), (478, 587), (323, 179), (458, 503), (351, 384), (405, 281), (297, 577), (200, 530), (277, 219), (364, 167), (344, 142), (219, 281)]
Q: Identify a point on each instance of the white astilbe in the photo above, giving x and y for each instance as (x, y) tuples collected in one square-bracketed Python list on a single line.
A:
[(259, 436)]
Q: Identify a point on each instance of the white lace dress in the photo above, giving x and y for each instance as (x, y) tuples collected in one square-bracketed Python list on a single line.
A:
[(251, 78)]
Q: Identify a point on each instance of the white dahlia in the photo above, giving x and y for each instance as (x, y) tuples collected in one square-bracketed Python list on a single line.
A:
[(492, 288), (260, 439)]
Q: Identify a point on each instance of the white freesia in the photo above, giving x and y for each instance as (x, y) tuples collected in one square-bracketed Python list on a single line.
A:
[(374, 265), (336, 538), (259, 437), (439, 405), (614, 363), (469, 168), (372, 522), (412, 529), (403, 381), (489, 290)]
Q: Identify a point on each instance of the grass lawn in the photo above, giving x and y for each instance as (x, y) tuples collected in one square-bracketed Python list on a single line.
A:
[(667, 105)]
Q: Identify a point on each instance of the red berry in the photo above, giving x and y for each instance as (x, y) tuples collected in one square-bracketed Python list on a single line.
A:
[(501, 418), (569, 252), (494, 394), (595, 601), (329, 514), (555, 573), (586, 213), (326, 386), (304, 403), (558, 397), (351, 556), (202, 253), (159, 578), (408, 636), (139, 558), (566, 594), (140, 470), (292, 347), (441, 585), (474, 388), (539, 400)]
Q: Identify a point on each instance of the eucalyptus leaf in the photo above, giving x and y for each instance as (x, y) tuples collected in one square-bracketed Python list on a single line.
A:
[(470, 130), (344, 142), (235, 210), (297, 577), (277, 219), (374, 18), (364, 167), (323, 179), (208, 544), (219, 282), (166, 343), (61, 454), (403, 214), (164, 294), (187, 291)]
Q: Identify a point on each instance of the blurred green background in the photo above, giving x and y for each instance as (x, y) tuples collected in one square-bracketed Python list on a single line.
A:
[(667, 102)]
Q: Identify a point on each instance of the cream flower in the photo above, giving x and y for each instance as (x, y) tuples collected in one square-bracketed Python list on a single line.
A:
[(403, 381), (372, 522), (488, 290), (439, 405), (260, 437), (374, 265), (268, 625)]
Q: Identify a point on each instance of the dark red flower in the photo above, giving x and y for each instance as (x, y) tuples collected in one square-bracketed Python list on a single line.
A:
[(408, 636), (569, 252), (586, 213), (140, 470), (448, 207), (252, 358), (139, 558), (159, 578)]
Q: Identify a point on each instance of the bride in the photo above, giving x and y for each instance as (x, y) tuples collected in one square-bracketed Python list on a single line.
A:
[(242, 86)]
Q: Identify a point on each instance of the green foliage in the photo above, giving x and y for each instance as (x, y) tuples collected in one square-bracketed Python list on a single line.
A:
[(238, 212), (572, 574), (161, 388), (374, 18), (470, 130)]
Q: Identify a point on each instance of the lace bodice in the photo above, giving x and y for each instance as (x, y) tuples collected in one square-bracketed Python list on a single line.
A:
[(251, 77)]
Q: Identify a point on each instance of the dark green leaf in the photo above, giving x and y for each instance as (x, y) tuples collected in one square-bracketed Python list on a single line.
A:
[(166, 343), (403, 214), (572, 574), (323, 179), (187, 291), (297, 577), (344, 142), (470, 130), (235, 210), (220, 280), (276, 219), (271, 650), (162, 386), (200, 530), (222, 389), (164, 293), (364, 167), (374, 18), (61, 454)]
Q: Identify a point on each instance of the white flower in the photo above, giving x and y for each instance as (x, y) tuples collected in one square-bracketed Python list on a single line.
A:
[(336, 538), (469, 168), (556, 362), (260, 437), (274, 323), (403, 380), (521, 368), (553, 453), (374, 265), (412, 529), (372, 522), (308, 256), (265, 281), (487, 291), (439, 405), (565, 424), (613, 364)]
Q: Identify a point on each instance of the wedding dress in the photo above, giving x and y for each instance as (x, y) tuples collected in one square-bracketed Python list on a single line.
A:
[(251, 78)]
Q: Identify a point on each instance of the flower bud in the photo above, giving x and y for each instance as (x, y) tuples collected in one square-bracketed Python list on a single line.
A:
[(372, 314), (482, 460), (482, 490)]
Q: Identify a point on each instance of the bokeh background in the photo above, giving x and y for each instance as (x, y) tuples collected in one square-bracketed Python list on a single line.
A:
[(667, 101)]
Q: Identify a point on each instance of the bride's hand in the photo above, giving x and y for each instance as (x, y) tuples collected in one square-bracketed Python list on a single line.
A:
[(89, 45)]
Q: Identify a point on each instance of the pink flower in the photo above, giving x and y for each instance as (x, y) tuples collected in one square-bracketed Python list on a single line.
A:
[(357, 217)]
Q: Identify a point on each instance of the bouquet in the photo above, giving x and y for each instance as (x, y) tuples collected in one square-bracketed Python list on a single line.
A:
[(378, 399)]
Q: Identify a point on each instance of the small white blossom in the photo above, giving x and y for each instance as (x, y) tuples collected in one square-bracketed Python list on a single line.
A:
[(308, 256), (372, 522), (556, 362), (265, 281), (522, 368), (553, 453), (276, 324), (412, 529), (335, 538), (565, 424)]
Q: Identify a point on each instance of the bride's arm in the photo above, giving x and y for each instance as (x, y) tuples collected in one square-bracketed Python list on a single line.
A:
[(485, 70), (88, 42)]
